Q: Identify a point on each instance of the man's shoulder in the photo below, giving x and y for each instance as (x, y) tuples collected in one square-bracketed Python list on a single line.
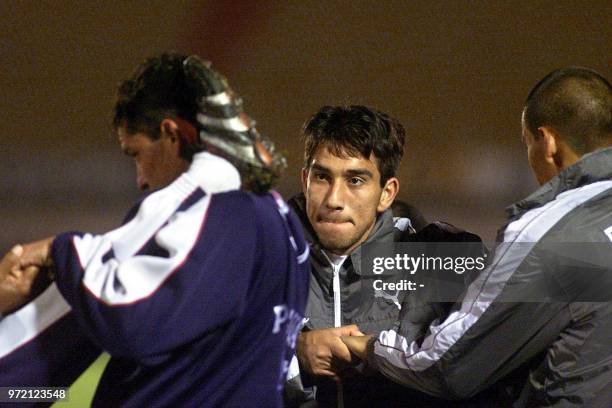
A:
[(241, 203), (248, 201), (438, 231), (579, 215), (267, 210), (589, 222)]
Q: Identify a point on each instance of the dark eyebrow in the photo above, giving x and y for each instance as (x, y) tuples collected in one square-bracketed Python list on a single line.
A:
[(348, 173), (320, 168), (359, 173)]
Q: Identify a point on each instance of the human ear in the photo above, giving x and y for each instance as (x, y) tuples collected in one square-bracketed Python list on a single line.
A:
[(548, 143), (388, 194), (169, 129), (562, 153)]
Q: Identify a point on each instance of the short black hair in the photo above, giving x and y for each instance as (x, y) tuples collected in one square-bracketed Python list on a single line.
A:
[(577, 102), (166, 86), (356, 130)]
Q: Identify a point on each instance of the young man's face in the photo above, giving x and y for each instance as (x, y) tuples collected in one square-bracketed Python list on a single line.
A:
[(158, 162), (343, 197)]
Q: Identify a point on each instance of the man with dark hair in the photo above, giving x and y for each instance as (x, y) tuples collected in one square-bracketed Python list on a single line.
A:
[(576, 101), (351, 157), (543, 304), (186, 320), (359, 137)]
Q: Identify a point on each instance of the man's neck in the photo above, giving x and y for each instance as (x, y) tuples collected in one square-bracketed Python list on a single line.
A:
[(334, 259)]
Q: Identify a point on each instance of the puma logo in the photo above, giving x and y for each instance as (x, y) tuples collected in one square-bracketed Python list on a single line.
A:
[(385, 295)]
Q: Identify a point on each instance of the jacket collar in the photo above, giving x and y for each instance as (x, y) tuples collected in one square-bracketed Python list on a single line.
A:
[(592, 167), (213, 173)]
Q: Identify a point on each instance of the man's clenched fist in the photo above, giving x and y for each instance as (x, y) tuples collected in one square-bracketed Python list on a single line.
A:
[(15, 281), (20, 277), (322, 352)]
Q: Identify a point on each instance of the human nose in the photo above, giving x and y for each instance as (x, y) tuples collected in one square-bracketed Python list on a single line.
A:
[(335, 196), (141, 180)]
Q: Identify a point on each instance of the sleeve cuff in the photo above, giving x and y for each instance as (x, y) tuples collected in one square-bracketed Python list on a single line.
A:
[(371, 357)]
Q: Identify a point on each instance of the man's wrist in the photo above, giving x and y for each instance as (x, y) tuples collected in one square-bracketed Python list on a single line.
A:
[(370, 360)]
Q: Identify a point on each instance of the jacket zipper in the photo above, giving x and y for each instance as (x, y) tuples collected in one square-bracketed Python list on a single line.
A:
[(338, 322), (337, 297), (337, 316)]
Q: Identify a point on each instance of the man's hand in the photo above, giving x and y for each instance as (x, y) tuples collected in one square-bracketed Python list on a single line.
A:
[(16, 282), (37, 253), (20, 277), (321, 352), (358, 345)]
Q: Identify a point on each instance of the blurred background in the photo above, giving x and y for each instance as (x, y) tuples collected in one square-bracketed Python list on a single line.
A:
[(455, 73)]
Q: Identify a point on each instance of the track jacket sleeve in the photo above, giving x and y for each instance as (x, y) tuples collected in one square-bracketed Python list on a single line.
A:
[(484, 338), (499, 323), (162, 279), (41, 344)]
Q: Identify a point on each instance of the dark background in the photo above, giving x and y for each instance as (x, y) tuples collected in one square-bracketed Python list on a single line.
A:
[(455, 73)]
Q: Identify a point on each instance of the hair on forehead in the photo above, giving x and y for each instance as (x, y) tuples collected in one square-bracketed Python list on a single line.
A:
[(356, 131), (343, 150)]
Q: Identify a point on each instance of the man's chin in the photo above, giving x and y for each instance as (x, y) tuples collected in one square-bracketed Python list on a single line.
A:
[(334, 231), (335, 246)]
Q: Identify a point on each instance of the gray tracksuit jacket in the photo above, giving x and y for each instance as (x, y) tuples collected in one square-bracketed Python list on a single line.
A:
[(341, 295), (336, 296), (543, 304)]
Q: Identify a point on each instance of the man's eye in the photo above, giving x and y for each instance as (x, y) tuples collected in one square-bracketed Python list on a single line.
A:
[(320, 176), (356, 181)]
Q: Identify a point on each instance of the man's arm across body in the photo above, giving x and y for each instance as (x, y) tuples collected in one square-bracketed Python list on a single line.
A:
[(500, 323), (128, 286), (41, 343)]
